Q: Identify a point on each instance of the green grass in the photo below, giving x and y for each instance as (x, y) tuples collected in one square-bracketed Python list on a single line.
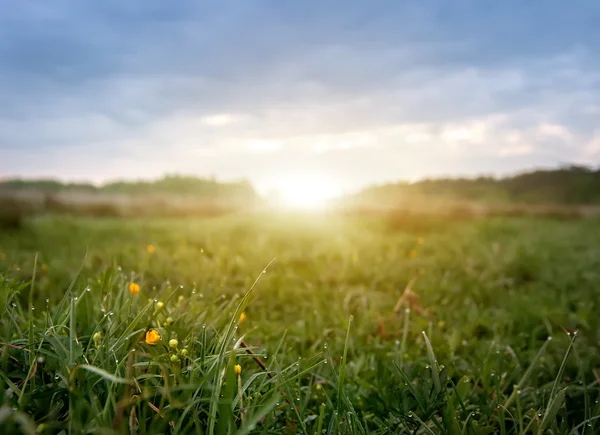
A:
[(486, 344)]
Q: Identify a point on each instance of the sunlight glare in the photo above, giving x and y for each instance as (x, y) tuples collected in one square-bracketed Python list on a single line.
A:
[(307, 192)]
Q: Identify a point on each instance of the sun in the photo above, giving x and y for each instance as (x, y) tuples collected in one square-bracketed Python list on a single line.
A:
[(307, 192)]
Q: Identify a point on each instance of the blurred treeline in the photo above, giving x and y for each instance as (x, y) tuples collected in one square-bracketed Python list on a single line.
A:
[(567, 192), (571, 185), (169, 185)]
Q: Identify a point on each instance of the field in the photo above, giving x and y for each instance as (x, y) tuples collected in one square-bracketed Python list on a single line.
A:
[(338, 324)]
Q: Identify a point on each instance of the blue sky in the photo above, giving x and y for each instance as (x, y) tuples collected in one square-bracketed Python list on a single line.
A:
[(359, 92)]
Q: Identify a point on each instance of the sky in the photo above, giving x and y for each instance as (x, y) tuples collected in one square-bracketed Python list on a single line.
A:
[(354, 92)]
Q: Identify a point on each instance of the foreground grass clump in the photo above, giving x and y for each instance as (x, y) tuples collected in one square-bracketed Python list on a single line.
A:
[(151, 327)]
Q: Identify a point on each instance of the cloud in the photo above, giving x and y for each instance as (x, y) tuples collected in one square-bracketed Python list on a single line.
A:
[(365, 92)]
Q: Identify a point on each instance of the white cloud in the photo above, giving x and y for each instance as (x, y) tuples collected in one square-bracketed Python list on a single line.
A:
[(218, 120)]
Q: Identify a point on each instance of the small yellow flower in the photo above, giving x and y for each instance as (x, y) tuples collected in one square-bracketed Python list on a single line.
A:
[(159, 306), (150, 249), (134, 288), (174, 358), (152, 337), (420, 241), (441, 324), (173, 343), (237, 369), (180, 298), (44, 268), (184, 352), (243, 317), (97, 337), (169, 321), (413, 253)]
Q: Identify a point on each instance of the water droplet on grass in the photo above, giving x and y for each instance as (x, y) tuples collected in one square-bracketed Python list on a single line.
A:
[(75, 298)]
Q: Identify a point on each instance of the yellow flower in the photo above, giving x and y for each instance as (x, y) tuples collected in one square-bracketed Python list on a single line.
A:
[(420, 241), (173, 343), (152, 336), (159, 306), (97, 337), (242, 317), (237, 369), (413, 253), (150, 249), (180, 298), (134, 288), (184, 352), (174, 358)]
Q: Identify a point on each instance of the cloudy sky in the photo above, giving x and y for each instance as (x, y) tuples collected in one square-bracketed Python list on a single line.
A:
[(358, 92)]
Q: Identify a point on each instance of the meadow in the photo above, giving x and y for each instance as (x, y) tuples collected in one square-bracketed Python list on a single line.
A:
[(300, 323)]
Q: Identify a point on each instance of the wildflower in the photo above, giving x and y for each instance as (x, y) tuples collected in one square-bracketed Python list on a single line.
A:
[(184, 352), (169, 321), (242, 317), (180, 298), (134, 288), (173, 343), (237, 369), (413, 253), (150, 249), (174, 358), (159, 306), (152, 336), (441, 324), (97, 337)]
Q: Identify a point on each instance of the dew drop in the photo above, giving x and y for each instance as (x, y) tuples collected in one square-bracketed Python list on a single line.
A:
[(32, 308), (56, 376), (14, 305), (40, 359), (47, 301), (75, 298), (397, 342)]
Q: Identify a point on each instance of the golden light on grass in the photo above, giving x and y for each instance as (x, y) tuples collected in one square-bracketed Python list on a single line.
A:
[(307, 192)]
